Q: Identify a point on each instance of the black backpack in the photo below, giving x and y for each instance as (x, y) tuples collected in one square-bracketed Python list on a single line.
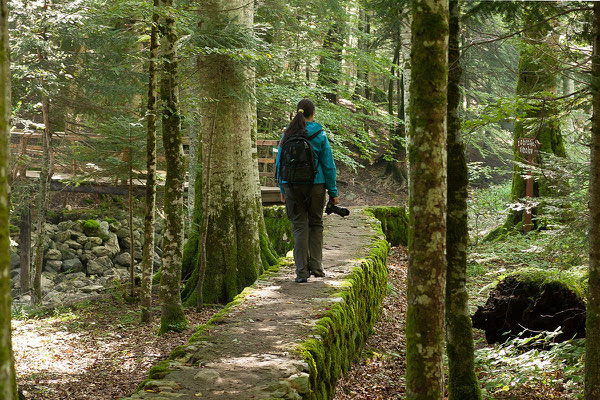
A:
[(297, 160)]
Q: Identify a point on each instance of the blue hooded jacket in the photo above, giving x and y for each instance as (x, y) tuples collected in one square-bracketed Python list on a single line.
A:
[(326, 171)]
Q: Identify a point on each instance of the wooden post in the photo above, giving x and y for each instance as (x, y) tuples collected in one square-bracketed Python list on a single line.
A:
[(528, 147)]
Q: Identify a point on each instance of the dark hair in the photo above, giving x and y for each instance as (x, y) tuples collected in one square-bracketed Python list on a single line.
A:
[(304, 109)]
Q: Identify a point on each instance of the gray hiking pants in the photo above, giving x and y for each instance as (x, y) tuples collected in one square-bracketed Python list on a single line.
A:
[(307, 226)]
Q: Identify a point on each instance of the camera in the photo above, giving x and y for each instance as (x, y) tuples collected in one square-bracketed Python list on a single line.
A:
[(332, 208)]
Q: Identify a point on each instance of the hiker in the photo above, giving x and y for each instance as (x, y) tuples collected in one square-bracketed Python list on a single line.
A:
[(305, 168)]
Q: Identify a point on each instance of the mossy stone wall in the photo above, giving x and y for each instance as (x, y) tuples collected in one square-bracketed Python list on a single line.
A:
[(394, 224), (340, 334)]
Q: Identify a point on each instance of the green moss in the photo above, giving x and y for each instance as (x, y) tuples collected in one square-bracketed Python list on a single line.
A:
[(172, 319), (159, 371), (574, 279), (91, 227), (394, 224), (13, 229), (279, 229)]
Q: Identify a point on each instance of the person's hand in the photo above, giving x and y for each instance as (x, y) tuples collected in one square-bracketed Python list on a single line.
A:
[(282, 198), (336, 200)]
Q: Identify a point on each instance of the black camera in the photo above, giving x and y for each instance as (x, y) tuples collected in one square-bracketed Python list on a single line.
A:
[(332, 208)]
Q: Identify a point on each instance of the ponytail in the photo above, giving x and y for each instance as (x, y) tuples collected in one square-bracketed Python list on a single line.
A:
[(305, 109)]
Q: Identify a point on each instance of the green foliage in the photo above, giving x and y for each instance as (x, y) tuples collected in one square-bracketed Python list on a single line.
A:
[(520, 364)]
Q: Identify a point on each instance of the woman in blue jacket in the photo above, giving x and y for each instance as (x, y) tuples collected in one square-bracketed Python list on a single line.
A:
[(304, 202)]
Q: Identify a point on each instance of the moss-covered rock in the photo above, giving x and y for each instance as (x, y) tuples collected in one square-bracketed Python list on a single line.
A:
[(91, 227)]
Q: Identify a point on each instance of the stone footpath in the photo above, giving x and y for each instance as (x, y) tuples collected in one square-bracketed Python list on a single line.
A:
[(284, 340)]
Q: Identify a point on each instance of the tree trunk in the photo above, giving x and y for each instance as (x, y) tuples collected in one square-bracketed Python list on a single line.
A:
[(462, 380), (25, 247), (230, 256), (427, 206), (130, 201), (8, 383), (536, 79), (148, 250), (592, 326), (330, 66), (42, 207), (172, 315)]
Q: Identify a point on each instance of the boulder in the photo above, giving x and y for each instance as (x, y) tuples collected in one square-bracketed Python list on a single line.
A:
[(99, 266), (73, 244), (64, 225), (123, 259), (104, 230), (72, 265), (53, 266), (53, 254), (92, 288), (95, 241), (114, 226), (100, 251), (123, 233), (112, 244)]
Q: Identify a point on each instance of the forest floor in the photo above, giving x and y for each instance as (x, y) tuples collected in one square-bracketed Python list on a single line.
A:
[(91, 351)]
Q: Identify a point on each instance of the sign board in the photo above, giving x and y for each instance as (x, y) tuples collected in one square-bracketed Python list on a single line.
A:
[(528, 146)]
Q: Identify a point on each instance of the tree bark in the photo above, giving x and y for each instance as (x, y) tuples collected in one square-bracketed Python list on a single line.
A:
[(427, 201), (230, 223), (172, 315), (149, 217), (8, 383), (592, 326), (462, 380), (25, 247)]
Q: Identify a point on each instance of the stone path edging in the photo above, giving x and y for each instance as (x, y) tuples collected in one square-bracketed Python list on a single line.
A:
[(283, 340)]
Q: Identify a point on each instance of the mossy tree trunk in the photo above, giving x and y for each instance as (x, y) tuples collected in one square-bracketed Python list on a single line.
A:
[(8, 383), (427, 201), (172, 315), (592, 342), (148, 250), (25, 246), (228, 256), (537, 84), (462, 380)]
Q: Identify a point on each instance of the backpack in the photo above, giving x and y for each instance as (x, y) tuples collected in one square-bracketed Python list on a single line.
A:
[(297, 160)]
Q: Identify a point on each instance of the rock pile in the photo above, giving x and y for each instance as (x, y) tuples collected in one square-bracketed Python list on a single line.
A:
[(82, 258)]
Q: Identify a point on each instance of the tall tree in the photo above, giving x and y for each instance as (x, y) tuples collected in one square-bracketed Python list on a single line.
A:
[(462, 380), (8, 383), (172, 315), (148, 250), (45, 177), (537, 84), (592, 327), (427, 201), (229, 254)]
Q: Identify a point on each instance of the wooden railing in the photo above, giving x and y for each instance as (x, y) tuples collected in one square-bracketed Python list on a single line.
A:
[(27, 149)]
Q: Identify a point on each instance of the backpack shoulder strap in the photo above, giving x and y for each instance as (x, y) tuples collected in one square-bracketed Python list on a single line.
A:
[(311, 137)]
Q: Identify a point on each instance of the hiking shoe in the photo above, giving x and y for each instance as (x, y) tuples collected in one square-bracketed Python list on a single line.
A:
[(318, 274), (301, 280)]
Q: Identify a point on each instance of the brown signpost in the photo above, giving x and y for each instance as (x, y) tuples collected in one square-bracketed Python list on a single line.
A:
[(528, 147)]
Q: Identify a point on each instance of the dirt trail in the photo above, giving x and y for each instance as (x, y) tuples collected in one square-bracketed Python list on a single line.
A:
[(251, 352)]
